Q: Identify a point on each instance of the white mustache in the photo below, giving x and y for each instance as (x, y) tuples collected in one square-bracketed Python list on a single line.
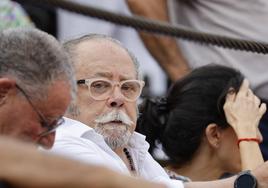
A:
[(114, 116)]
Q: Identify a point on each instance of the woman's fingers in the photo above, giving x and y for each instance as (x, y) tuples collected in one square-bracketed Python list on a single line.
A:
[(262, 109), (257, 100), (244, 88), (230, 97)]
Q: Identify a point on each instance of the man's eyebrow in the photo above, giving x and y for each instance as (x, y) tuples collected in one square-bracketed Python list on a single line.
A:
[(124, 77), (110, 75), (103, 74)]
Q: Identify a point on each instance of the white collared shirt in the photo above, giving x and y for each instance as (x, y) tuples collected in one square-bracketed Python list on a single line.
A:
[(78, 141)]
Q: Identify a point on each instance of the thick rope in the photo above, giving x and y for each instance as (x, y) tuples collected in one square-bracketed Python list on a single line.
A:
[(141, 23)]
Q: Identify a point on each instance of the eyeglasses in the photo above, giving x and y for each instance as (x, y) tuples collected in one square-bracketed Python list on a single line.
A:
[(101, 89), (49, 127)]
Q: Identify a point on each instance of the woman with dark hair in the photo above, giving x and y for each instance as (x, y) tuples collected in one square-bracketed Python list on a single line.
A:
[(207, 124)]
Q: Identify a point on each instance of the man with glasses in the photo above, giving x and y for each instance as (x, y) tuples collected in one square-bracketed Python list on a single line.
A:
[(108, 88), (36, 85)]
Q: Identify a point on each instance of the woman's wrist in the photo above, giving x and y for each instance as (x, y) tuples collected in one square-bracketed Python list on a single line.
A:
[(246, 131), (248, 139)]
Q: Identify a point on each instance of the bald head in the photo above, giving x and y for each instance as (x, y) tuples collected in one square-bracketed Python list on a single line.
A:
[(88, 43)]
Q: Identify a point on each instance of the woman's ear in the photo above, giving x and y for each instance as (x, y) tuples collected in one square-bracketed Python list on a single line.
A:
[(6, 85), (213, 135)]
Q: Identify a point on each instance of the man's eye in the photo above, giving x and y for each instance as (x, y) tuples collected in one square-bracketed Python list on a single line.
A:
[(100, 84), (100, 87), (127, 88), (130, 87)]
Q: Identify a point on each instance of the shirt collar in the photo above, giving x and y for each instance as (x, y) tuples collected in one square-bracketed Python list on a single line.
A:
[(76, 128)]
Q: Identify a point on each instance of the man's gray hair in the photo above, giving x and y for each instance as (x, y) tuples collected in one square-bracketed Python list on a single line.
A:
[(35, 60), (70, 47)]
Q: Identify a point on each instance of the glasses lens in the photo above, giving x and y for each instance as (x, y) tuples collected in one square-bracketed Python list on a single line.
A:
[(100, 88), (131, 89)]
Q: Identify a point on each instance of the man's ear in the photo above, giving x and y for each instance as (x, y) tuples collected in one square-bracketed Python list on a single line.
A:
[(213, 135), (6, 85)]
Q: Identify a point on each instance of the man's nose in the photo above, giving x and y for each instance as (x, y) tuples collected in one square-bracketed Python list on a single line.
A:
[(116, 98), (47, 141)]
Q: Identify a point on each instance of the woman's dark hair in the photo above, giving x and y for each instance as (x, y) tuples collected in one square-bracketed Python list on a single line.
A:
[(192, 103)]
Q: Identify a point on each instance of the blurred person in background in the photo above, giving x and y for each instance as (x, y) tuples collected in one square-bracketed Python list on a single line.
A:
[(12, 15)]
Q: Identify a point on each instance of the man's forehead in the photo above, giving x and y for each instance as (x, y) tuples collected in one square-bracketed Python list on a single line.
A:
[(101, 72), (96, 44), (101, 49), (104, 61)]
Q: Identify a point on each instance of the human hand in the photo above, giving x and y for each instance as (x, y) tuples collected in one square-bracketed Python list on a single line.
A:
[(243, 111)]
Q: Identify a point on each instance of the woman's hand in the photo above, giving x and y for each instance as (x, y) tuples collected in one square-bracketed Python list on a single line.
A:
[(243, 111)]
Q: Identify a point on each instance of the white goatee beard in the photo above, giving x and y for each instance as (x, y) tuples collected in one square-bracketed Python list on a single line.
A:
[(116, 136)]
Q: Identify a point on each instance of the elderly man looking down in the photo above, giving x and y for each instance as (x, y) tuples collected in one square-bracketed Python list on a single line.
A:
[(36, 85)]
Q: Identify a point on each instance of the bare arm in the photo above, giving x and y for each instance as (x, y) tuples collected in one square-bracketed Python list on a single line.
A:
[(24, 167), (261, 174), (164, 49), (243, 112), (225, 183)]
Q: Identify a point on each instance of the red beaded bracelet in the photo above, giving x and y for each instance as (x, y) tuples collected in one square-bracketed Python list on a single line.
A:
[(248, 140)]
